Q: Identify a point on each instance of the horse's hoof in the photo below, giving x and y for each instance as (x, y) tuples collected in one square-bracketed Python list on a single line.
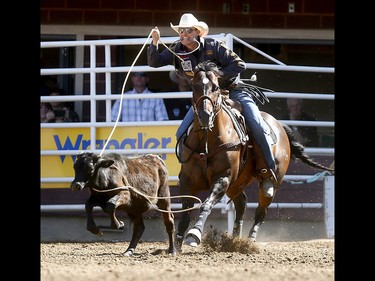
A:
[(193, 237), (190, 241), (253, 233)]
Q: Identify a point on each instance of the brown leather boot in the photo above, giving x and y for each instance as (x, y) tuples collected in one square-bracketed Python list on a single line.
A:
[(266, 178), (267, 182)]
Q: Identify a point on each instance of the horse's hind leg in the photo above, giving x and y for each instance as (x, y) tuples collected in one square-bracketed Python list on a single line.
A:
[(240, 207), (260, 214)]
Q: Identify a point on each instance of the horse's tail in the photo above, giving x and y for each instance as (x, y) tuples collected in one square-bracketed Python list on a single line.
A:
[(297, 151)]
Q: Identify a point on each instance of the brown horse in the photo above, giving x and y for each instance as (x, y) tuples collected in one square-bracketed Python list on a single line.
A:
[(217, 156)]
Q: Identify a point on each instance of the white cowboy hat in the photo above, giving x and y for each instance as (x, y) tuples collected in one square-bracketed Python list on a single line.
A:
[(188, 20)]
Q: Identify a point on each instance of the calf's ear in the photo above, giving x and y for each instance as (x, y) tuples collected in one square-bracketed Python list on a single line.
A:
[(105, 163)]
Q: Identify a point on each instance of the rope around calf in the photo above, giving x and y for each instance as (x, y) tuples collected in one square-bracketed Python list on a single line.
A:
[(147, 197)]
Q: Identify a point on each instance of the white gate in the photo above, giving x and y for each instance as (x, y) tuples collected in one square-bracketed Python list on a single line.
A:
[(93, 126)]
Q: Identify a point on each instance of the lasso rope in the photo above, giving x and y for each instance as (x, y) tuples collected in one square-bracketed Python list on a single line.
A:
[(126, 79), (129, 187), (122, 94), (155, 207), (114, 128)]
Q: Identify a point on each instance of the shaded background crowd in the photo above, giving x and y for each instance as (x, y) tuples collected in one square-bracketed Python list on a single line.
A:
[(160, 109), (55, 112)]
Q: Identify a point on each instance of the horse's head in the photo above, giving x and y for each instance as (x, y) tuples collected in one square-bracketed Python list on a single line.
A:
[(206, 93)]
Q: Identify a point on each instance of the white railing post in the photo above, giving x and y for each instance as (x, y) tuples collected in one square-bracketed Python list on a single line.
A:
[(93, 70), (229, 209), (329, 205)]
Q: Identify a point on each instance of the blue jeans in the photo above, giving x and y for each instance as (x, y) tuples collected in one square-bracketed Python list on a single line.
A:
[(253, 120)]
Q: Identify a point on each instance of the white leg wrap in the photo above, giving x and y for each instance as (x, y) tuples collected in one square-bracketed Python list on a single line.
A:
[(193, 237)]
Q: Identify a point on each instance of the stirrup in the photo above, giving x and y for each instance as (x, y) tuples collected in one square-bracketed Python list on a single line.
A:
[(268, 174)]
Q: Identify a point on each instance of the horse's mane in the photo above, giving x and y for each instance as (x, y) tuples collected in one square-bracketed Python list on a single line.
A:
[(209, 66)]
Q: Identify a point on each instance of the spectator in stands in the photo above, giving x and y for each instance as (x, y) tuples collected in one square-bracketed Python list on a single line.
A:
[(46, 113), (63, 113), (47, 85), (139, 109), (177, 107), (306, 135), (50, 84)]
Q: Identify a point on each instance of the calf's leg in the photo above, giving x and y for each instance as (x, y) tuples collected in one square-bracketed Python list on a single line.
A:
[(138, 229), (111, 206), (168, 219), (91, 226)]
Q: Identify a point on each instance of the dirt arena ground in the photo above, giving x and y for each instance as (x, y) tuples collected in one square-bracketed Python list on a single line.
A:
[(308, 260)]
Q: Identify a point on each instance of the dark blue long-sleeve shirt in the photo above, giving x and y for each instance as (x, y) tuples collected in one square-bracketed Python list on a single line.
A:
[(210, 49)]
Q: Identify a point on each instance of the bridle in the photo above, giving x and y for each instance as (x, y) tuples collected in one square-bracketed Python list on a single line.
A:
[(216, 104)]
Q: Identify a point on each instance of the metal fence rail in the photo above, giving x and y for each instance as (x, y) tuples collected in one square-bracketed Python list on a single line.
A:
[(92, 97)]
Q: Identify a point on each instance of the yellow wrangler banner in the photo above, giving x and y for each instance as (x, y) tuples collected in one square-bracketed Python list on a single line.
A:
[(141, 137)]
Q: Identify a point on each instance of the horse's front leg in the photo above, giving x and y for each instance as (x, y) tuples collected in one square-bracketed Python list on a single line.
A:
[(240, 207), (91, 226), (194, 235)]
